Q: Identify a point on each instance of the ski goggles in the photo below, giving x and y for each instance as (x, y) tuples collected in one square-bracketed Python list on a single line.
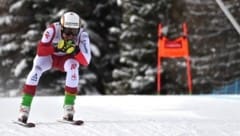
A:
[(70, 31)]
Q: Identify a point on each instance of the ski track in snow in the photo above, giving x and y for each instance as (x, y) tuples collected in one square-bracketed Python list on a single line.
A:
[(205, 115)]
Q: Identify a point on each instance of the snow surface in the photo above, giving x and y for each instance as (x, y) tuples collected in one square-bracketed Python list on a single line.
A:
[(205, 115)]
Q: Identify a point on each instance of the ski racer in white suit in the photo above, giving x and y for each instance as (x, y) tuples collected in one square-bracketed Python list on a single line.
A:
[(64, 46)]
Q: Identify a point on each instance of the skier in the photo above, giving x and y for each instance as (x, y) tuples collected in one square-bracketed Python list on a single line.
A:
[(64, 45)]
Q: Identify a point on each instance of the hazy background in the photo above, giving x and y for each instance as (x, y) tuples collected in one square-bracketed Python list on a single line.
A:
[(123, 37)]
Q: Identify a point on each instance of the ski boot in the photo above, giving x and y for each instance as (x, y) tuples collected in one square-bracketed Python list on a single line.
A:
[(23, 115), (68, 112)]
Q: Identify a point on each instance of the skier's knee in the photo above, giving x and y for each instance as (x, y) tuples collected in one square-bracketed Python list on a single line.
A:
[(71, 64)]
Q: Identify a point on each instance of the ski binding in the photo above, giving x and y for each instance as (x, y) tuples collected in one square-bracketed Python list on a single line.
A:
[(27, 125), (74, 122)]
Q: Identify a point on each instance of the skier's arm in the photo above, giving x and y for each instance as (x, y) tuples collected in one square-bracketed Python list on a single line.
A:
[(84, 54), (44, 46)]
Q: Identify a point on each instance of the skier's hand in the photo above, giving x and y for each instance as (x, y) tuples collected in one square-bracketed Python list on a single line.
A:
[(66, 46)]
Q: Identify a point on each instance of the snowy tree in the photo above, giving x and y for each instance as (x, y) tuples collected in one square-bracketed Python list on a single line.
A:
[(123, 36), (136, 72)]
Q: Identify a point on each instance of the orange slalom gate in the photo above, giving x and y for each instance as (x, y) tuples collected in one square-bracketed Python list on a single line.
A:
[(175, 48)]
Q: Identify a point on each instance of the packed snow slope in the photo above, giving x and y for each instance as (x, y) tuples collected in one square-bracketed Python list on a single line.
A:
[(205, 115)]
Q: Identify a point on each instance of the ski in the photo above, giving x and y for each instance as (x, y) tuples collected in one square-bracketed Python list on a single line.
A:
[(31, 125), (27, 125), (74, 122)]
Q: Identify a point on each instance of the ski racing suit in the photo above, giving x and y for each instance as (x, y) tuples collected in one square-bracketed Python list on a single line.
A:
[(48, 57)]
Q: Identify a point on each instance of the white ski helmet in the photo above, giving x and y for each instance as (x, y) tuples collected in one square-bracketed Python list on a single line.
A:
[(70, 20)]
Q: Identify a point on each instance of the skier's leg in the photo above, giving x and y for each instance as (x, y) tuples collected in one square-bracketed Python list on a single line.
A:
[(72, 77), (40, 65)]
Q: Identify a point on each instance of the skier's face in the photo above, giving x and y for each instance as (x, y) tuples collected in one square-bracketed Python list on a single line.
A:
[(68, 37), (69, 33)]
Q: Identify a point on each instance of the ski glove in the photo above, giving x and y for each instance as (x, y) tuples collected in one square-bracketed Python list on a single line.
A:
[(66, 46)]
